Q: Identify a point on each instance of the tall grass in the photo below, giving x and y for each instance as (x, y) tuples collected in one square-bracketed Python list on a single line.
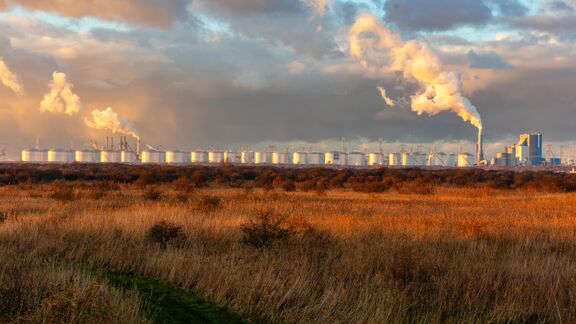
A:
[(454, 255)]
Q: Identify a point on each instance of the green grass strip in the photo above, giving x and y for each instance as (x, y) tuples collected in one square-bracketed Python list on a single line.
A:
[(165, 303)]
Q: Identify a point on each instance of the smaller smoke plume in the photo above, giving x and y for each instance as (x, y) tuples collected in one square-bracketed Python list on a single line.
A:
[(387, 100), (60, 99), (9, 79), (108, 119)]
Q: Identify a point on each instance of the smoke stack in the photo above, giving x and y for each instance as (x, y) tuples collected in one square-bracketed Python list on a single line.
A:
[(480, 147)]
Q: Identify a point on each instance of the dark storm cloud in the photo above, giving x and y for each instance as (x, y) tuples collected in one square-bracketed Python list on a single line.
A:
[(415, 15), (488, 60), (441, 15)]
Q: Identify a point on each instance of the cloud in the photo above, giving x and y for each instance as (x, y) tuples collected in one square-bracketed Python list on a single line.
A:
[(416, 15), (159, 13), (60, 99), (319, 6), (487, 60), (9, 79)]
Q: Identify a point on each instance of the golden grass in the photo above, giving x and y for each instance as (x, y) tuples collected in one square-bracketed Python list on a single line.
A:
[(460, 255)]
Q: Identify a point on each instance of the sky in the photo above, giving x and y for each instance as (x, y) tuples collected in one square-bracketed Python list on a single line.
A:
[(229, 73)]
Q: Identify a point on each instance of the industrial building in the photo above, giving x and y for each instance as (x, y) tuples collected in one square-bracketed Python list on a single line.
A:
[(526, 152)]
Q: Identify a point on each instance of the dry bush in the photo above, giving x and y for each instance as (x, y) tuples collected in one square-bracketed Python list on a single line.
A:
[(163, 233), (64, 194), (183, 185), (266, 229), (153, 194), (3, 217), (208, 204)]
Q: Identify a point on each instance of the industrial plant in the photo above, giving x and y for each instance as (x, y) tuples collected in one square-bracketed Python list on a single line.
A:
[(526, 152)]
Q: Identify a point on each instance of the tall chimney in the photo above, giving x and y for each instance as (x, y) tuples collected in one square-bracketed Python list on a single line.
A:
[(480, 147)]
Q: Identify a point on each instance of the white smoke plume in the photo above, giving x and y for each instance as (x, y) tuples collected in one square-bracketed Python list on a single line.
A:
[(370, 41), (108, 119), (60, 99), (387, 100), (319, 6), (9, 79)]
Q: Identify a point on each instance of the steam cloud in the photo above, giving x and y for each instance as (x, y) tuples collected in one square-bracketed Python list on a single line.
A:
[(60, 99), (9, 79), (388, 101), (442, 90), (108, 119)]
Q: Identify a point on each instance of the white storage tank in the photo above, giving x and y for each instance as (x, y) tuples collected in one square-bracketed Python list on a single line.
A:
[(376, 159), (247, 157), (465, 160), (35, 155), (452, 160), (216, 157), (336, 158), (154, 157), (87, 156), (281, 158), (263, 157), (61, 156), (395, 159), (300, 158), (110, 156), (178, 157), (232, 157), (199, 157), (357, 159), (129, 157), (315, 158)]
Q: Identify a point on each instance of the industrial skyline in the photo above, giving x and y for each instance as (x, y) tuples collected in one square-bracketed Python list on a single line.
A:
[(289, 73)]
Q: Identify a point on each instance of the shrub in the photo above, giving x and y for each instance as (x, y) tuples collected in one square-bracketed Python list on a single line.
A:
[(288, 186), (163, 233), (208, 204), (266, 229), (153, 194), (3, 217), (183, 184), (64, 194)]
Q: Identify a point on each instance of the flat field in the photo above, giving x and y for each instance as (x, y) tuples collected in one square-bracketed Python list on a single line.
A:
[(92, 252)]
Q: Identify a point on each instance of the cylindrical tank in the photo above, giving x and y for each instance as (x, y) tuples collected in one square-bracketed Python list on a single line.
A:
[(465, 160), (395, 159), (376, 159), (232, 157), (61, 156), (281, 158), (35, 155), (262, 157), (357, 159), (247, 157), (110, 156), (199, 157), (216, 157), (154, 157), (87, 156), (336, 158), (129, 157), (452, 160), (300, 158), (179, 157), (315, 158)]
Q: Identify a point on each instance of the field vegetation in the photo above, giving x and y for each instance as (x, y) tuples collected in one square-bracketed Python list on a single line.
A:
[(93, 244)]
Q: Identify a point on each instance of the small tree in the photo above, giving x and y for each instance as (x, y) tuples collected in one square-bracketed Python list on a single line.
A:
[(266, 229), (164, 232)]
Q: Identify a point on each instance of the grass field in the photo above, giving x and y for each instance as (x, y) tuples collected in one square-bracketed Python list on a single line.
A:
[(77, 253)]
